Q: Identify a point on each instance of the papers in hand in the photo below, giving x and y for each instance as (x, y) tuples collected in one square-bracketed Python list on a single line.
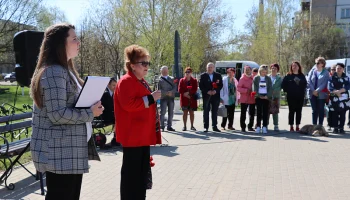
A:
[(92, 91)]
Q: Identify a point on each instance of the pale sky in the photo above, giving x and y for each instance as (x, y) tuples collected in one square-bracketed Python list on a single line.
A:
[(74, 9)]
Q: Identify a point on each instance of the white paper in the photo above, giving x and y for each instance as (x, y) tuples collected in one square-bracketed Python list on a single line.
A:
[(92, 91), (343, 97)]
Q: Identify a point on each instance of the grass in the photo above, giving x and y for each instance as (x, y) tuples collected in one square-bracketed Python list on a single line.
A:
[(8, 97)]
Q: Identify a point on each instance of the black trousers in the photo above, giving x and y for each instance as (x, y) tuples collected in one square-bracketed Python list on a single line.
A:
[(63, 186), (244, 108), (134, 173), (262, 106), (338, 120), (230, 116), (213, 105), (330, 118), (295, 106)]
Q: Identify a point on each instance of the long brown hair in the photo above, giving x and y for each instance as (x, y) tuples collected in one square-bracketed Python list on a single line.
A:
[(299, 70), (52, 52)]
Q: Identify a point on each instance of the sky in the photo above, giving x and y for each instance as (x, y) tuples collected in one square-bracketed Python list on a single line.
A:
[(74, 9)]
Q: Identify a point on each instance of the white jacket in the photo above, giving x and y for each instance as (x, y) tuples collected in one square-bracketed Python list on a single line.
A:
[(224, 91)]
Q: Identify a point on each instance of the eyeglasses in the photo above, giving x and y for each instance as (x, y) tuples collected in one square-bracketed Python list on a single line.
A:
[(319, 63), (144, 63)]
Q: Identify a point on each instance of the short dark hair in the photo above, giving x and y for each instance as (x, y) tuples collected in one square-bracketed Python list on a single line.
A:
[(255, 70), (341, 65), (112, 80)]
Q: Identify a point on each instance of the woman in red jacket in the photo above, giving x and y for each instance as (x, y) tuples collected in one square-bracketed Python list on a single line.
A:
[(188, 89), (137, 123)]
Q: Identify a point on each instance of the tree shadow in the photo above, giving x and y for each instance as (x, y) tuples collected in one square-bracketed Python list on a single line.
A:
[(208, 135), (22, 189), (169, 151)]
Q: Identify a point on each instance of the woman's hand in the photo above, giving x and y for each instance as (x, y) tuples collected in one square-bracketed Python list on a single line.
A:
[(97, 109), (156, 95), (315, 93)]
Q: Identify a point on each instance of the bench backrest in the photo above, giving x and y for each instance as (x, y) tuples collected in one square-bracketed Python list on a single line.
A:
[(13, 126)]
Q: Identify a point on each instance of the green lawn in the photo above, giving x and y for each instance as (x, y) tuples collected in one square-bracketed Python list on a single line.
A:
[(9, 97)]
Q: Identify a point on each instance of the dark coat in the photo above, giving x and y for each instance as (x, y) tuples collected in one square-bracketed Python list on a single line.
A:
[(107, 102), (205, 84)]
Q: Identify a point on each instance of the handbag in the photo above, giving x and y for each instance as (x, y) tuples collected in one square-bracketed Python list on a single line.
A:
[(222, 111), (274, 106)]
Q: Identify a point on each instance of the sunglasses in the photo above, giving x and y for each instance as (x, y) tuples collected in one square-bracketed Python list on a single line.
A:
[(187, 72), (333, 69), (319, 63), (144, 63)]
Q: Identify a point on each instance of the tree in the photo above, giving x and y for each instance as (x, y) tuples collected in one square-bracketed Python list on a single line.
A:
[(49, 16)]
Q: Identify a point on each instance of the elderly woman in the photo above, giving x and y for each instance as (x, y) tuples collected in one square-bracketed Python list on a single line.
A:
[(229, 97), (276, 94), (61, 143), (262, 88), (188, 87), (339, 99), (317, 90), (137, 122)]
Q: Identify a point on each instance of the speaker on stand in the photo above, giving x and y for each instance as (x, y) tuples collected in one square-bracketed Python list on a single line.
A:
[(27, 47)]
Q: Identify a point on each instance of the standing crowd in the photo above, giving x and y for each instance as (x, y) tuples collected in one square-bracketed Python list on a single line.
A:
[(61, 142)]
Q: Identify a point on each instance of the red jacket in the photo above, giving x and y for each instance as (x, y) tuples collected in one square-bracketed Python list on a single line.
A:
[(184, 101), (135, 124)]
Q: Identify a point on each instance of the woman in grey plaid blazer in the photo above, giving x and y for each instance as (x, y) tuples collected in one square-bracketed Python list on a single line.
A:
[(60, 145)]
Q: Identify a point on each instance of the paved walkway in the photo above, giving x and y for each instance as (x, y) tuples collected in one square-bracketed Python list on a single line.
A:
[(227, 165)]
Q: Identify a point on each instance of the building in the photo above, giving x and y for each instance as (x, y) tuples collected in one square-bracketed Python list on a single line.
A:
[(337, 11)]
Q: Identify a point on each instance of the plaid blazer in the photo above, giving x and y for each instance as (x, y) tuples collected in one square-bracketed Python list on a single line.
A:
[(59, 135)]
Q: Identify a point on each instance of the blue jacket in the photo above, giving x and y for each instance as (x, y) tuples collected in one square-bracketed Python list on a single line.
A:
[(322, 83)]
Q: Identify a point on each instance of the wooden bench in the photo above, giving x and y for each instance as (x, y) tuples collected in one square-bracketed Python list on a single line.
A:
[(15, 134)]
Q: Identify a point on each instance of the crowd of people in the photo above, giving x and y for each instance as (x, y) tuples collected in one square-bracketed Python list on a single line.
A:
[(61, 142)]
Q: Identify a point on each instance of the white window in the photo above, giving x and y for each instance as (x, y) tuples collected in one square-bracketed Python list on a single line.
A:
[(345, 13)]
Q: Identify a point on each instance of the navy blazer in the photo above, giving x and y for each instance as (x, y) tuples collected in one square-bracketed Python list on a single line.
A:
[(205, 84)]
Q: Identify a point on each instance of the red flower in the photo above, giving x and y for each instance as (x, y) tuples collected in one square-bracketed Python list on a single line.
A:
[(189, 87), (152, 164), (214, 85), (253, 94), (176, 80), (150, 158), (325, 90)]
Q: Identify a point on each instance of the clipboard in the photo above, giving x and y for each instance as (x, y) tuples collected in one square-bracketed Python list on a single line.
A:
[(92, 91)]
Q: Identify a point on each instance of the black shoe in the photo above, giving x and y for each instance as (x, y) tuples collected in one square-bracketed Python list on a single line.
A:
[(206, 130), (335, 130), (215, 129), (170, 129), (184, 128), (162, 129), (193, 128), (251, 129), (341, 131), (243, 130)]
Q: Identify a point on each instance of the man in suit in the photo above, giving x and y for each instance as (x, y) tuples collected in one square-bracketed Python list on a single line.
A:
[(210, 84), (107, 102), (168, 89)]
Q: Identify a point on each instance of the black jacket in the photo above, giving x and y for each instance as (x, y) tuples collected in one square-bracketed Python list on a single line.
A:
[(205, 84), (293, 88), (108, 113)]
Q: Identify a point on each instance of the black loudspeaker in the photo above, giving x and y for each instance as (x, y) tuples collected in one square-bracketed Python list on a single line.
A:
[(27, 47)]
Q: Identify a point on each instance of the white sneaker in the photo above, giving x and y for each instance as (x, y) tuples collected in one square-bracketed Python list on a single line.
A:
[(264, 130), (257, 130)]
